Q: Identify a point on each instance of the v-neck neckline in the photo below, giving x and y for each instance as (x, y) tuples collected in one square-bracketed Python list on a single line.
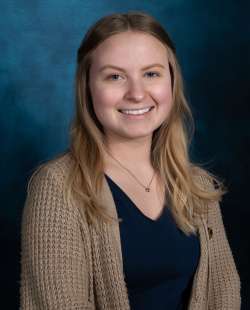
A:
[(157, 221)]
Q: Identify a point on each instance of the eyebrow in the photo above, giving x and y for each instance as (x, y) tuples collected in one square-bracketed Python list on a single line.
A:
[(121, 69)]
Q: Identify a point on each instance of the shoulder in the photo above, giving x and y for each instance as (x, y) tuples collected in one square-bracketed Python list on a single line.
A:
[(202, 178), (211, 191), (46, 184), (57, 167)]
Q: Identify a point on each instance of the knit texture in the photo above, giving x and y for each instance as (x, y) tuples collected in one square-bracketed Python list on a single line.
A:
[(66, 264)]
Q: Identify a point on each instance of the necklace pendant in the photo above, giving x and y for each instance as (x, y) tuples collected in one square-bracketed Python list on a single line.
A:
[(147, 189)]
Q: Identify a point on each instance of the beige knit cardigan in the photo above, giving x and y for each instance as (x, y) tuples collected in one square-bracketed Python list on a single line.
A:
[(67, 265)]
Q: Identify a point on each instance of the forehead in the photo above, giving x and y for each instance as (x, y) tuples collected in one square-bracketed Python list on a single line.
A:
[(129, 46)]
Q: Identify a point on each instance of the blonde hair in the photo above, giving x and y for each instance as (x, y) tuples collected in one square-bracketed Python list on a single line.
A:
[(169, 154)]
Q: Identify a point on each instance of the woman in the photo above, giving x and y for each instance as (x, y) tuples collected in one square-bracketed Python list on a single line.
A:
[(128, 159)]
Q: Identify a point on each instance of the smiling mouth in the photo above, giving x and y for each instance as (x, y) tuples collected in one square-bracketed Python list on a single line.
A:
[(136, 112)]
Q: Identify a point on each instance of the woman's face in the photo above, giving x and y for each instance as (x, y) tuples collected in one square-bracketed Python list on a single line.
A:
[(130, 85)]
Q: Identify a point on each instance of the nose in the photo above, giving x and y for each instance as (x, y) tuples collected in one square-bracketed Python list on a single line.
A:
[(136, 91)]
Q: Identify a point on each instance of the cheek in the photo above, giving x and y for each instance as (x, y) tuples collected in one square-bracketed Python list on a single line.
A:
[(103, 97), (163, 96), (104, 103), (100, 100)]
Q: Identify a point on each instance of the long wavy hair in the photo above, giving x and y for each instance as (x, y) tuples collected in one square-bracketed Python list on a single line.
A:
[(169, 152)]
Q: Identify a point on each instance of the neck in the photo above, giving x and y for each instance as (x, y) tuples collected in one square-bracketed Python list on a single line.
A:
[(130, 163), (132, 152), (131, 160)]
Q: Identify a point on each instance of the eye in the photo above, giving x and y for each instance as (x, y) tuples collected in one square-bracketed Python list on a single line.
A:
[(151, 74), (114, 77)]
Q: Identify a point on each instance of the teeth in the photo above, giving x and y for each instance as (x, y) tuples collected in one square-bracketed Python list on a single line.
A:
[(135, 112)]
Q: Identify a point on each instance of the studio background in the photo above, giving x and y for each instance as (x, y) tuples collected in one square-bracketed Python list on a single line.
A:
[(38, 46)]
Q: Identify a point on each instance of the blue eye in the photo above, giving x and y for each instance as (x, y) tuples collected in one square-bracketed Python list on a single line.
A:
[(151, 74), (114, 77)]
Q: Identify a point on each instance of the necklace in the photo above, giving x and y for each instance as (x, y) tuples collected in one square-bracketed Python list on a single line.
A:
[(147, 188)]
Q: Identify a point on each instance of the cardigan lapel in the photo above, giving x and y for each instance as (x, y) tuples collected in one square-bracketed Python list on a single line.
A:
[(109, 282), (198, 298), (108, 202)]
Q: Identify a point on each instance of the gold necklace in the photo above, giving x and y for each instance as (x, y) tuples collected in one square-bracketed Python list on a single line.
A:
[(147, 189)]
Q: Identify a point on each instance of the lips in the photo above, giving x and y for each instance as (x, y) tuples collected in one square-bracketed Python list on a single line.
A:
[(135, 112)]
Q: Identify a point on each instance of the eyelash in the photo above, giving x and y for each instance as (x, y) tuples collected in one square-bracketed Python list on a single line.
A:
[(111, 77), (154, 74)]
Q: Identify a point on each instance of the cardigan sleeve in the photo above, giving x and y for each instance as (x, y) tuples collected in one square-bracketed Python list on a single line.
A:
[(54, 265), (224, 281)]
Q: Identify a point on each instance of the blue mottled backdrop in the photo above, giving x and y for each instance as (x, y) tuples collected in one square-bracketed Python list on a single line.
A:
[(38, 45)]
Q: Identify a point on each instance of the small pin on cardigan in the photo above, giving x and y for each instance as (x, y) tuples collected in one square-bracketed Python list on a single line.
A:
[(210, 232)]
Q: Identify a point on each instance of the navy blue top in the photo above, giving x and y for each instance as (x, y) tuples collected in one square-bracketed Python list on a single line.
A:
[(159, 261)]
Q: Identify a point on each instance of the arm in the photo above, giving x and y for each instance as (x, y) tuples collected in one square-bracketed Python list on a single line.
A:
[(54, 265), (225, 282)]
